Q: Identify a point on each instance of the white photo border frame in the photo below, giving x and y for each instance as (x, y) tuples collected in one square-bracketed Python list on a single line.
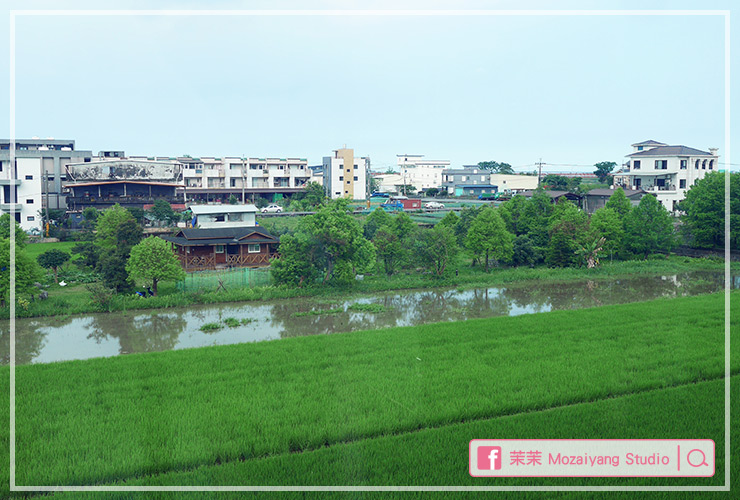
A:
[(722, 13)]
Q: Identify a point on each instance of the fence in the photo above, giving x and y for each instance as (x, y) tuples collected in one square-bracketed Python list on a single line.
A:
[(232, 278)]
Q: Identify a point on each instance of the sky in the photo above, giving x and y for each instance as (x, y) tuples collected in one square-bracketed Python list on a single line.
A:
[(571, 90)]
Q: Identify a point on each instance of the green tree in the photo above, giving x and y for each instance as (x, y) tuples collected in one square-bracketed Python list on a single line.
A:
[(153, 260), (496, 168), (432, 192), (112, 260), (233, 199), (53, 259), (375, 220), (137, 213), (488, 237), (27, 271), (21, 238), (649, 228), (162, 211), (704, 207), (619, 203), (89, 252), (463, 225), (450, 220), (436, 248), (535, 218), (107, 225), (568, 227), (339, 235), (524, 252), (603, 171), (389, 248), (606, 223), (300, 262), (511, 211), (554, 181), (403, 226)]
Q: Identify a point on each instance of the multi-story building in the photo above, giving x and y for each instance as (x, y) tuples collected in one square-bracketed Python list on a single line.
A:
[(420, 173), (469, 180), (346, 176), (213, 179), (512, 183), (666, 171), (34, 182)]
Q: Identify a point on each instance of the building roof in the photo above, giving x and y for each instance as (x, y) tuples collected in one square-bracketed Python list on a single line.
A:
[(671, 151), (102, 183), (487, 186), (649, 143), (552, 194), (222, 209), (608, 192), (220, 236)]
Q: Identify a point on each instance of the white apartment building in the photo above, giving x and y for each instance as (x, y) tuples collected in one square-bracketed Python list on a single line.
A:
[(421, 173), (34, 181), (231, 173), (667, 171), (346, 176)]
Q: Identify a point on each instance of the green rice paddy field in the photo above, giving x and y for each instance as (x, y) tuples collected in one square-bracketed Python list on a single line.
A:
[(383, 407)]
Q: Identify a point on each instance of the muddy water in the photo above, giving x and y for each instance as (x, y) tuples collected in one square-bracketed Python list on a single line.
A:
[(44, 340)]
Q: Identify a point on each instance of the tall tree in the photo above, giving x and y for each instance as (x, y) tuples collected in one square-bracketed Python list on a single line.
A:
[(162, 211), (112, 260), (21, 238), (488, 237), (619, 203), (606, 223), (107, 225), (535, 218), (568, 232), (53, 259), (511, 211), (603, 170), (340, 236), (436, 248), (496, 168), (649, 228), (704, 207), (554, 181), (27, 271), (301, 260), (375, 220), (152, 259), (389, 248)]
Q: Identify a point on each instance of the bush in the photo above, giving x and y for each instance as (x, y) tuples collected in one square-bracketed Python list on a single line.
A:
[(101, 296)]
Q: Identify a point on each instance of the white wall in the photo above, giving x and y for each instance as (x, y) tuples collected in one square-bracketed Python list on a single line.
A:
[(29, 190)]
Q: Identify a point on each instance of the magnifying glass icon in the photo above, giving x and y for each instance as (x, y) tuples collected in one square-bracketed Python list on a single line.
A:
[(698, 452)]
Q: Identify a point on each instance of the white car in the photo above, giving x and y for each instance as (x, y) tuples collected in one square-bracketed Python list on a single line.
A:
[(272, 209), (434, 205)]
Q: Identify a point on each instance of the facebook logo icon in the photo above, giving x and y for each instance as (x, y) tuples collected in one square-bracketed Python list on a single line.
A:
[(489, 457)]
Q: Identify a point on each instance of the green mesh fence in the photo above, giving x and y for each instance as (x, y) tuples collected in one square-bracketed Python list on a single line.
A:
[(231, 278)]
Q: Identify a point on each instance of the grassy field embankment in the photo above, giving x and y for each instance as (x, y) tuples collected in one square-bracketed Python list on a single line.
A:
[(330, 401), (75, 299)]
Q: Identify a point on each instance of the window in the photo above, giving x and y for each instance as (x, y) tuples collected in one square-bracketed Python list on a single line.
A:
[(355, 167), (219, 218), (30, 218), (219, 249), (355, 178), (253, 248), (341, 177), (29, 202), (661, 164), (711, 164), (704, 165), (636, 164), (682, 183), (639, 148), (696, 165), (347, 181), (30, 177), (684, 164)]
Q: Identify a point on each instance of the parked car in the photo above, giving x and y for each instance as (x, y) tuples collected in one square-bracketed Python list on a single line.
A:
[(378, 194), (488, 196), (272, 209), (434, 205)]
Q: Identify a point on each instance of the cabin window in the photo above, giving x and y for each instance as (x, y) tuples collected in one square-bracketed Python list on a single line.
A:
[(219, 218), (219, 249), (253, 248)]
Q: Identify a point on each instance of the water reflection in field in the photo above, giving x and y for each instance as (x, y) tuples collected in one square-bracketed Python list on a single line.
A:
[(43, 340)]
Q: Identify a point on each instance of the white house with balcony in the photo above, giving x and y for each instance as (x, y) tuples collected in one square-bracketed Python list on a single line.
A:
[(667, 171), (421, 173)]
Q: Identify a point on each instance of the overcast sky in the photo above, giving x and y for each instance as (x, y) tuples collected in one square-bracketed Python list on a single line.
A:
[(571, 90)]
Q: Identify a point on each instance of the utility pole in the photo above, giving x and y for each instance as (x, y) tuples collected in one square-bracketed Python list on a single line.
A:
[(244, 199), (539, 174)]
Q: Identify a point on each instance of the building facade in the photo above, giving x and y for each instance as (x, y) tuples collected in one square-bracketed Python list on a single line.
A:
[(421, 173), (346, 176), (666, 171), (467, 181), (513, 183), (35, 181)]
